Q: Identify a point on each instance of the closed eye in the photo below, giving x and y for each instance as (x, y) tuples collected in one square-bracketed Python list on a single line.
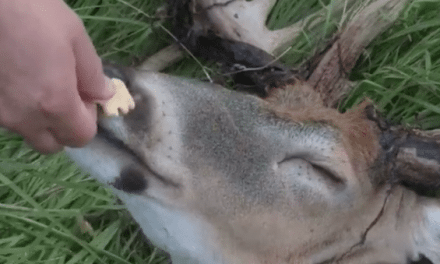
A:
[(327, 173), (320, 169)]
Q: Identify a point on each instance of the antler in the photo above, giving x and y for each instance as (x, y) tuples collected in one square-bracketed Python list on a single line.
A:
[(415, 157), (329, 77)]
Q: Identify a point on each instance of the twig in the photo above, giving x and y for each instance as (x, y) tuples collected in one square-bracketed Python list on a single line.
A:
[(171, 35), (262, 67)]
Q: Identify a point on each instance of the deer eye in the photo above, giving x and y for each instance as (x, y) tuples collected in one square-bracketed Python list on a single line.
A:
[(328, 173), (321, 169)]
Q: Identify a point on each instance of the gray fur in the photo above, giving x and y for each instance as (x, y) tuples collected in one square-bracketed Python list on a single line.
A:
[(228, 181)]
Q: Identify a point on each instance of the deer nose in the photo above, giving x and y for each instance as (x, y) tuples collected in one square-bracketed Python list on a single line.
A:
[(131, 180)]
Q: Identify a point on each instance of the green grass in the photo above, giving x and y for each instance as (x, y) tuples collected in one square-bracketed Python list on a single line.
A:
[(50, 212)]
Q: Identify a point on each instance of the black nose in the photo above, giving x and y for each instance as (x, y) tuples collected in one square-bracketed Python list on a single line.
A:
[(131, 180)]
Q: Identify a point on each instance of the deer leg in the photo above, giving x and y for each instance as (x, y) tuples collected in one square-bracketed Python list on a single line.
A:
[(163, 58), (238, 20), (234, 33), (245, 21)]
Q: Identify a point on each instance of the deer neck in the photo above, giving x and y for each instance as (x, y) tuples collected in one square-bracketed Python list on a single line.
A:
[(407, 225)]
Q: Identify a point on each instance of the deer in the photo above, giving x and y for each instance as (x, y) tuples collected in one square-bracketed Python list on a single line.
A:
[(214, 175)]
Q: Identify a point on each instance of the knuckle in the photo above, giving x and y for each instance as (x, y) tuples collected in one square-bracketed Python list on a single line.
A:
[(4, 118), (8, 120), (81, 142), (47, 149), (53, 106), (44, 143), (84, 136), (75, 134), (54, 98), (77, 26), (91, 76)]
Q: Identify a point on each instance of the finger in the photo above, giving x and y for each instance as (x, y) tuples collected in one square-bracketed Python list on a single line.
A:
[(76, 127), (44, 142), (90, 76), (69, 119)]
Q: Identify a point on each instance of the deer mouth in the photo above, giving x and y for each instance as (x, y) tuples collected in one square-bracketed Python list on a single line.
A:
[(110, 138), (132, 177)]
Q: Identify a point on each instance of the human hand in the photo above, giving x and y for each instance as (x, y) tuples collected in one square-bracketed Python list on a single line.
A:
[(50, 75)]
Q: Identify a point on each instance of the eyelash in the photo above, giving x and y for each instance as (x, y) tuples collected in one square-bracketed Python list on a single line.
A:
[(327, 173), (322, 170)]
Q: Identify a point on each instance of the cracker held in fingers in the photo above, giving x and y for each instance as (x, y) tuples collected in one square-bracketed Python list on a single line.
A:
[(122, 101)]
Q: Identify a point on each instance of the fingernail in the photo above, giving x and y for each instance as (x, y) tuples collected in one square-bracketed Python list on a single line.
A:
[(109, 91), (109, 86)]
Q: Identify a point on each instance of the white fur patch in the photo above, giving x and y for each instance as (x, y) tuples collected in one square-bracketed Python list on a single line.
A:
[(104, 167), (188, 238), (185, 236), (427, 237)]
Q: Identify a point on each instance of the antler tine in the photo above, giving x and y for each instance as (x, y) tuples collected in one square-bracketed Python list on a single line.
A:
[(328, 78)]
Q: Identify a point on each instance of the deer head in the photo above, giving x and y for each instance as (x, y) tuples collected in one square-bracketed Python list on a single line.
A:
[(218, 176)]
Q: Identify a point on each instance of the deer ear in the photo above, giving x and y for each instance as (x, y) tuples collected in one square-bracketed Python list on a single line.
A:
[(413, 157), (417, 160)]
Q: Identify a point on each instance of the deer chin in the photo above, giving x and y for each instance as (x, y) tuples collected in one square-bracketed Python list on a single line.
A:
[(188, 237)]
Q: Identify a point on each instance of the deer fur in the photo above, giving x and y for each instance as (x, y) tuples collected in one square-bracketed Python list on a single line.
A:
[(256, 188), (219, 176)]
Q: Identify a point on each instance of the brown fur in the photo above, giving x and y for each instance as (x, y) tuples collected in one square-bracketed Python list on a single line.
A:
[(300, 103)]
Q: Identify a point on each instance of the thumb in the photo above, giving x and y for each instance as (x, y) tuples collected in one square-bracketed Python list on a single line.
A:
[(91, 81)]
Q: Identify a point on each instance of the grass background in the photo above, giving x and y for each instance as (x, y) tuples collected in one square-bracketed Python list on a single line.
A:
[(50, 212)]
